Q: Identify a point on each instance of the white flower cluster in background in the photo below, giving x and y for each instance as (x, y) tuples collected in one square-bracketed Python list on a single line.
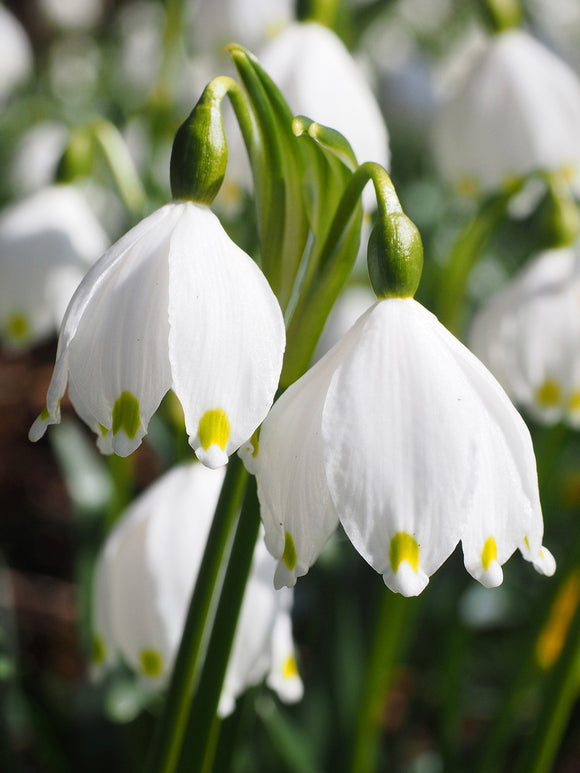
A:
[(144, 579)]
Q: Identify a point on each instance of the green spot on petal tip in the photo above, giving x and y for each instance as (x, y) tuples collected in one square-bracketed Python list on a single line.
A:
[(126, 415), (289, 555)]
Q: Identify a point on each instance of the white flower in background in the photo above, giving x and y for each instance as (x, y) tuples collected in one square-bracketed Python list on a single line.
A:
[(15, 53), (403, 436), (35, 159), (144, 579), (529, 337), (72, 14), (518, 111), (320, 79), (47, 242), (215, 23), (174, 304)]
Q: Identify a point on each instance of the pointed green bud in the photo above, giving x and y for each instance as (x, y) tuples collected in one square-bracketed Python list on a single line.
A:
[(395, 257), (200, 153)]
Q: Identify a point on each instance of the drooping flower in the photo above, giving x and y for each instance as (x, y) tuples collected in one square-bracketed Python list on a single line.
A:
[(403, 436), (518, 111), (174, 304), (320, 79), (528, 335), (47, 242), (144, 579), (16, 58)]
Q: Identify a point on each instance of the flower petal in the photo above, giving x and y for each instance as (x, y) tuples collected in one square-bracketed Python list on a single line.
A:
[(226, 337), (397, 444)]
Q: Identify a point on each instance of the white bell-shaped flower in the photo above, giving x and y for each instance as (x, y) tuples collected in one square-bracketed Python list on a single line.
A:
[(320, 79), (403, 436), (47, 243), (174, 304), (16, 59), (528, 335), (518, 111), (215, 23), (144, 579)]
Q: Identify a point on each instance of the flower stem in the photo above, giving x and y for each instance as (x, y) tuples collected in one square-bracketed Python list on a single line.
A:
[(121, 165), (393, 627), (171, 729), (465, 253), (560, 693), (202, 732)]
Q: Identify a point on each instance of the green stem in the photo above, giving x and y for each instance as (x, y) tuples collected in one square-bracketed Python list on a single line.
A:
[(465, 253), (119, 161), (321, 289), (560, 694), (393, 627), (171, 729), (199, 746)]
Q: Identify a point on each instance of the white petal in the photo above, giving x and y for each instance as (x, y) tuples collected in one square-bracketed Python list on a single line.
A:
[(226, 338), (283, 676), (116, 330), (397, 444), (506, 506), (296, 507), (519, 111), (320, 79)]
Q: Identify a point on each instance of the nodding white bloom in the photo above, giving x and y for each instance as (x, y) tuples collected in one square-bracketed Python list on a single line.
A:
[(47, 242), (174, 304), (320, 79), (529, 337), (518, 111), (16, 58), (402, 435), (144, 579), (215, 23)]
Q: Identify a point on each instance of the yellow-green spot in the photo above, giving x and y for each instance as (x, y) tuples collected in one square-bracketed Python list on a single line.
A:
[(255, 444), (290, 667), (574, 401), (44, 414), (17, 326), (489, 553), (527, 542), (289, 555), (214, 427), (126, 415), (549, 394), (403, 547), (99, 653), (104, 430), (468, 186), (151, 663)]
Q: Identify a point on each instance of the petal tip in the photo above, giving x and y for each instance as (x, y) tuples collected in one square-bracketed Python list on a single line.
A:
[(406, 580)]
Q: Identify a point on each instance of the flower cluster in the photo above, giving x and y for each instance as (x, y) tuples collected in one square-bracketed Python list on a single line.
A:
[(144, 578)]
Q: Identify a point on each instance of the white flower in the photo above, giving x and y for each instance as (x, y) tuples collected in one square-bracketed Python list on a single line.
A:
[(517, 112), (144, 579), (215, 23), (320, 79), (174, 304), (47, 242), (529, 337), (15, 53), (403, 436)]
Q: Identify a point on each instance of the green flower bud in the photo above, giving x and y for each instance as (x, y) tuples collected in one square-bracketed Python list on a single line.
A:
[(200, 153), (395, 257), (78, 157)]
